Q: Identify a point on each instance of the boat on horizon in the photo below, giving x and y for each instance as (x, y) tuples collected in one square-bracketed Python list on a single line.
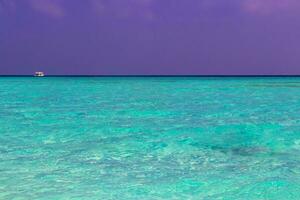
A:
[(39, 74)]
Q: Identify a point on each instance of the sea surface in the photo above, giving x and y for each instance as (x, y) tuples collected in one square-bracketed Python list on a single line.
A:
[(135, 138)]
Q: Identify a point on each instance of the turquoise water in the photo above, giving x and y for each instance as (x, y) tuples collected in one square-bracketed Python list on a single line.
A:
[(150, 138)]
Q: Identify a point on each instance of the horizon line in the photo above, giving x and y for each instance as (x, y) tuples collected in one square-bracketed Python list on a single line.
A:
[(138, 75)]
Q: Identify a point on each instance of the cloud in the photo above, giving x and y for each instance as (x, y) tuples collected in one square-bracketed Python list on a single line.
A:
[(151, 9), (7, 5), (270, 6), (52, 8), (123, 8), (98, 6)]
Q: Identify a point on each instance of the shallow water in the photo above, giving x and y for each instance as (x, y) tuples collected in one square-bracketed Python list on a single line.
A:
[(150, 138)]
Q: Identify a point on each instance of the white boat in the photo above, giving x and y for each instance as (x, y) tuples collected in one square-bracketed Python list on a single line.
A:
[(39, 74)]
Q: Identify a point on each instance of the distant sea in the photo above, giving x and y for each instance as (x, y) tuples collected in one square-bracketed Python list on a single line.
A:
[(148, 138)]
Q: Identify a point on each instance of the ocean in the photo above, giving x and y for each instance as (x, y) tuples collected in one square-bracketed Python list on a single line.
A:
[(148, 138)]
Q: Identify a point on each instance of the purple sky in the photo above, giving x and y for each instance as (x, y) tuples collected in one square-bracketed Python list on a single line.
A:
[(197, 37)]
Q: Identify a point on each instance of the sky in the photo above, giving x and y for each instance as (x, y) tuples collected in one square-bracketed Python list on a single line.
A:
[(150, 37)]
